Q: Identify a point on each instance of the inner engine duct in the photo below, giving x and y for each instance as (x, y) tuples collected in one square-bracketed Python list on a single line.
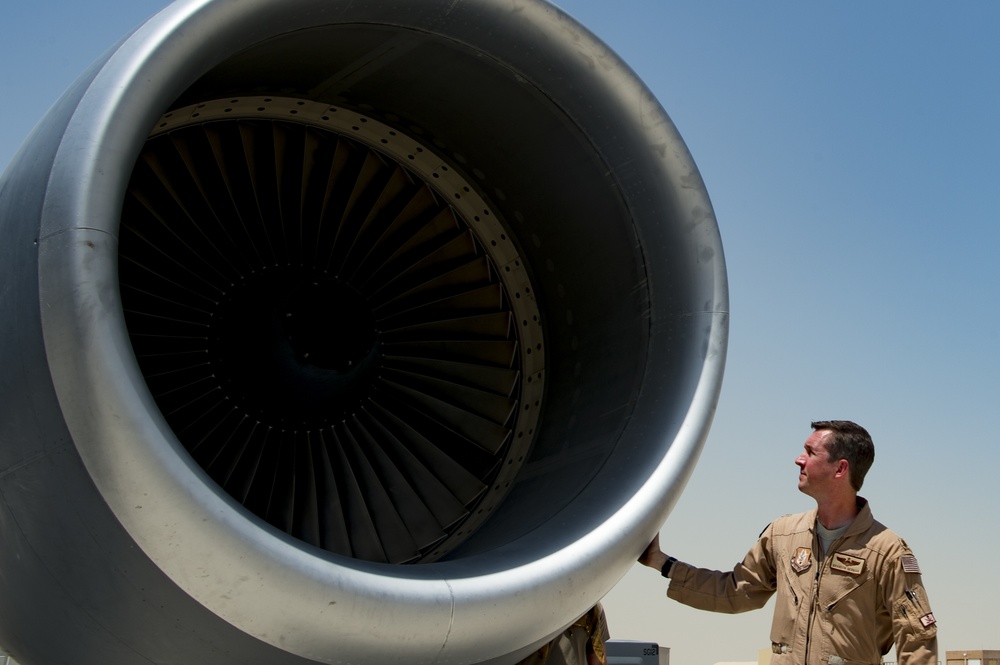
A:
[(339, 332)]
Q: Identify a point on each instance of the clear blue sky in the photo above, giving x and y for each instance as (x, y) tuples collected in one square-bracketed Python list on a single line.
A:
[(852, 152)]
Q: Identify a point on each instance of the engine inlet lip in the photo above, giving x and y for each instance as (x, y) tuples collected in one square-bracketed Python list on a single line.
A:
[(259, 581)]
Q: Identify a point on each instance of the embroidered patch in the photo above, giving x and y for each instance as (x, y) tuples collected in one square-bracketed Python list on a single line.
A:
[(910, 564), (802, 559), (847, 563), (928, 620)]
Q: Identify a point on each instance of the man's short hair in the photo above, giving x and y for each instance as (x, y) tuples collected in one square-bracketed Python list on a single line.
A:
[(851, 442)]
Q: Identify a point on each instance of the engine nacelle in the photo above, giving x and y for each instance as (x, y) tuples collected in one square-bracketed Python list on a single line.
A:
[(345, 332)]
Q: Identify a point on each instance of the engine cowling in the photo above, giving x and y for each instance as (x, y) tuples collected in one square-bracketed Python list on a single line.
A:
[(341, 332)]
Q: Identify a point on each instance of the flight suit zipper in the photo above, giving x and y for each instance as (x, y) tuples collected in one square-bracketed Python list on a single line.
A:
[(814, 606), (812, 609)]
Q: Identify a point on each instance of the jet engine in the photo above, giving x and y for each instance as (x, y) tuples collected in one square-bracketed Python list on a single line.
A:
[(345, 332)]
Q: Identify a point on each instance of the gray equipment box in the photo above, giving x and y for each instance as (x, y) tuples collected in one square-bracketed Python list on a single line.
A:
[(627, 652)]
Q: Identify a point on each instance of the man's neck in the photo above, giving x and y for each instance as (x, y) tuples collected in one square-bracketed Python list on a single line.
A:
[(835, 512)]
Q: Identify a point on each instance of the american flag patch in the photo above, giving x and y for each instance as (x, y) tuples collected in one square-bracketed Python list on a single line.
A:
[(910, 564)]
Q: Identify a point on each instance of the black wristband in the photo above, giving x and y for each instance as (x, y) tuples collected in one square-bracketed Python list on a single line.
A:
[(665, 571)]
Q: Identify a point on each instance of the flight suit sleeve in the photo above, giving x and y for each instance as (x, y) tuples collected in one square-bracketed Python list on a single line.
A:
[(746, 587), (913, 624)]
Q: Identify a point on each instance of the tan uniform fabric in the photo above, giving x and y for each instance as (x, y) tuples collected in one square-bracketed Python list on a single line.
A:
[(580, 644), (845, 608)]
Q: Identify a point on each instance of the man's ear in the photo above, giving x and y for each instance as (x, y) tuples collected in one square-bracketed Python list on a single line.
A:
[(843, 468)]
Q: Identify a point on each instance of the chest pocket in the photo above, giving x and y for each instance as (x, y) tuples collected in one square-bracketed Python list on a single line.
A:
[(798, 583), (799, 568), (839, 585)]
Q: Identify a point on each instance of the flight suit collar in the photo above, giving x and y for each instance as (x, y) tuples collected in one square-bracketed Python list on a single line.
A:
[(862, 521)]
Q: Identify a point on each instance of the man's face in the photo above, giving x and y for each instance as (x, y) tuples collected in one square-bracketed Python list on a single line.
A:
[(816, 471)]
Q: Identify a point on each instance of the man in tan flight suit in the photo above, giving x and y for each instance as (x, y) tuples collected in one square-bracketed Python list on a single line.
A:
[(848, 588)]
